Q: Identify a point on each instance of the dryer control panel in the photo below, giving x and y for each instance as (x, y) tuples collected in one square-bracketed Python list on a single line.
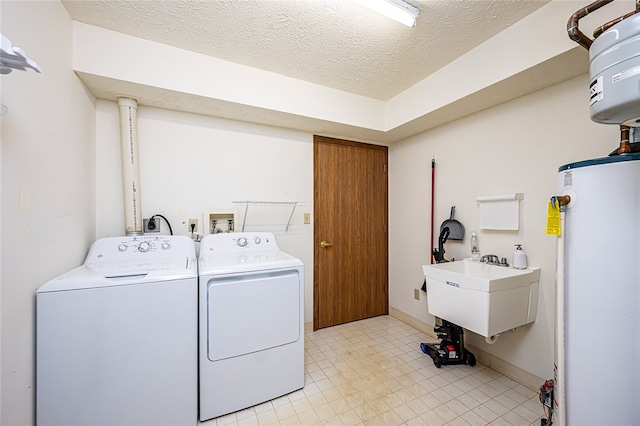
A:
[(239, 242)]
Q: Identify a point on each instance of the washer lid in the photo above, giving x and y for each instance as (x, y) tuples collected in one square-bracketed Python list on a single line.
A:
[(226, 263), (111, 274), (117, 261)]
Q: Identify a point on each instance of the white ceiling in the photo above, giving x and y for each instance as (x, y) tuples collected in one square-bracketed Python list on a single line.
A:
[(333, 43)]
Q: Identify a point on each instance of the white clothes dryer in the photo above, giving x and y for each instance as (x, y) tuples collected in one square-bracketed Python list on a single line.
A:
[(116, 338), (251, 322)]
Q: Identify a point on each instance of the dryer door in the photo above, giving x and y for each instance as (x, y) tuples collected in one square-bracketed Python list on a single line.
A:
[(251, 313)]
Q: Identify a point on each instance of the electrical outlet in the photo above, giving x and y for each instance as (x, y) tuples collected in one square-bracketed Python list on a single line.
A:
[(193, 222), (416, 294), (154, 228), (307, 218)]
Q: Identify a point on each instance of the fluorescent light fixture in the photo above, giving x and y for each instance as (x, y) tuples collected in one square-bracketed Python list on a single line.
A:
[(397, 10)]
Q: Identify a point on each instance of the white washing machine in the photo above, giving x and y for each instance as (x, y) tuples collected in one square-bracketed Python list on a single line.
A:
[(116, 338), (251, 322)]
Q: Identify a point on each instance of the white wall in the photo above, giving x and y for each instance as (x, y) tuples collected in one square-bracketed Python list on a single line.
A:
[(514, 147), (191, 165), (47, 185)]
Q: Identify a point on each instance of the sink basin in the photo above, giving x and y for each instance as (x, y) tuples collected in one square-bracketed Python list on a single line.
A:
[(486, 299), (481, 276)]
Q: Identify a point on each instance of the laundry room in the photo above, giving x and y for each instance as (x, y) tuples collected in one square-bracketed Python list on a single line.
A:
[(214, 136)]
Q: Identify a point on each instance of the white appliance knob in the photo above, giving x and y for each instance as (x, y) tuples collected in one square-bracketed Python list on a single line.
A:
[(144, 246), (242, 242), (122, 247), (257, 240), (166, 245)]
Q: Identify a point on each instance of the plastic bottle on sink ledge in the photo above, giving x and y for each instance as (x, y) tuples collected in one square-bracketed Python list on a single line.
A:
[(519, 258), (475, 248)]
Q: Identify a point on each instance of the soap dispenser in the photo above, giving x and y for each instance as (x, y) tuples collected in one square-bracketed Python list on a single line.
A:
[(519, 258), (475, 248)]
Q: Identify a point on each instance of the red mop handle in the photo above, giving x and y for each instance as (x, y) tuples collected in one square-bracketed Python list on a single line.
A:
[(433, 177)]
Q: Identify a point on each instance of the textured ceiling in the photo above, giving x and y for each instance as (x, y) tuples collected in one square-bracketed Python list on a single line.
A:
[(333, 43)]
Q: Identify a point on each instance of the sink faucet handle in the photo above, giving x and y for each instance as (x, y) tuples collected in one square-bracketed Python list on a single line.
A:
[(489, 258)]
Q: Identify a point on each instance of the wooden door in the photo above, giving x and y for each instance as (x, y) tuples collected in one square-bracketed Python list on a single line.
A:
[(350, 231)]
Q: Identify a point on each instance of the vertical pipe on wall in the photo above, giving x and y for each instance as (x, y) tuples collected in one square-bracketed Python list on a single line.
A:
[(559, 367), (130, 165)]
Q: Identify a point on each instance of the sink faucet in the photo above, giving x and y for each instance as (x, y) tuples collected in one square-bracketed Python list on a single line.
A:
[(492, 259), (489, 258)]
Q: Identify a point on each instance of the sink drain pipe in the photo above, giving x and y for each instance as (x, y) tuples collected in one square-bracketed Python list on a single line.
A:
[(491, 339), (130, 165)]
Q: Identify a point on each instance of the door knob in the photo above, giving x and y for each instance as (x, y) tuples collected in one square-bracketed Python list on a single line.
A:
[(325, 244)]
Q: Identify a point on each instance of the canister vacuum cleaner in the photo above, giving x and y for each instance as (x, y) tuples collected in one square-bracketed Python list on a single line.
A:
[(451, 349)]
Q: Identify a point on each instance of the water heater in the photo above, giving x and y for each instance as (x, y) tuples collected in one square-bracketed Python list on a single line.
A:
[(599, 321), (597, 343)]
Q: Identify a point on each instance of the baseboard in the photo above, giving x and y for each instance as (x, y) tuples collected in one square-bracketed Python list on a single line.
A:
[(515, 373), (308, 327), (413, 322)]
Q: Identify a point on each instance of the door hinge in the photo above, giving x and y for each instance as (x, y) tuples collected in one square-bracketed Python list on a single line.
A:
[(385, 168), (385, 228)]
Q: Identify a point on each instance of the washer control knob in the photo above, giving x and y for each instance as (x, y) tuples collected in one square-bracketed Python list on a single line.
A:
[(144, 246), (165, 245), (257, 240), (242, 242), (122, 247)]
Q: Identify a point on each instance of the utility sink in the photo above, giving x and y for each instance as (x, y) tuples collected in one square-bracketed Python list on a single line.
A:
[(483, 298)]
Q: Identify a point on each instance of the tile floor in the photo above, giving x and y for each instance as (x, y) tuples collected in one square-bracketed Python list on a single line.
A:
[(372, 372)]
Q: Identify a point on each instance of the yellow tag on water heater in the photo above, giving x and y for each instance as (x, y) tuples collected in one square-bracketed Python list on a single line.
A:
[(553, 219)]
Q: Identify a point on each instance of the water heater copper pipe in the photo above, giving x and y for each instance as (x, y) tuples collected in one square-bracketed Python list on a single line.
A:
[(605, 27), (572, 26), (625, 146)]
